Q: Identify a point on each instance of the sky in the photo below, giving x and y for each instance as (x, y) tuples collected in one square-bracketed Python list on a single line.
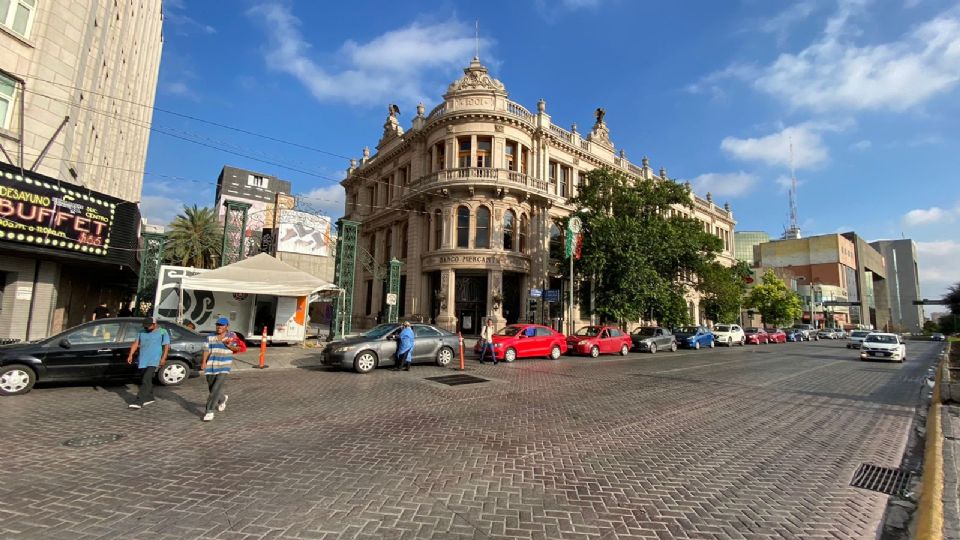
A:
[(866, 93)]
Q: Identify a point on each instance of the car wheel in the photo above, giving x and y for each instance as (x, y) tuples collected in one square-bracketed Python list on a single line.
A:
[(510, 355), (16, 379), (696, 345), (445, 356), (555, 352), (673, 347), (712, 345), (365, 362), (594, 351), (653, 348), (173, 373), (624, 350)]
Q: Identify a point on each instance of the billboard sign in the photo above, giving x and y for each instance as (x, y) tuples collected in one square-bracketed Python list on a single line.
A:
[(300, 232)]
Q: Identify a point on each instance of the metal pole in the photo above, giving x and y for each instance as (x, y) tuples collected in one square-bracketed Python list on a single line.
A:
[(570, 307)]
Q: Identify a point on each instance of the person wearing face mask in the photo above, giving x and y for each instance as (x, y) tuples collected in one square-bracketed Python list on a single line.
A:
[(153, 344)]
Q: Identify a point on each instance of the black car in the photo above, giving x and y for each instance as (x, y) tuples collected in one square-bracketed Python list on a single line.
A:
[(378, 347), (95, 350)]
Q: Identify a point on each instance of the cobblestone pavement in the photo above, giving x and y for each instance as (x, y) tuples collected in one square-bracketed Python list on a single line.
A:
[(755, 442)]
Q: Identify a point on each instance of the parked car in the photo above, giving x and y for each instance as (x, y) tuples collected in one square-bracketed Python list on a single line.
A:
[(527, 340), (938, 337), (809, 332), (96, 350), (883, 346), (777, 335), (729, 334), (597, 340), (694, 337), (378, 347), (652, 339), (827, 333), (841, 333), (756, 336), (856, 338)]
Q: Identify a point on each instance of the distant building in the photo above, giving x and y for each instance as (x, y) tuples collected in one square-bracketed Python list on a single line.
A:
[(745, 242), (260, 191), (77, 86), (903, 281)]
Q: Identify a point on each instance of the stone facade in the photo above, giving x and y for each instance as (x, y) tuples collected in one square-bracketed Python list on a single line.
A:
[(467, 200)]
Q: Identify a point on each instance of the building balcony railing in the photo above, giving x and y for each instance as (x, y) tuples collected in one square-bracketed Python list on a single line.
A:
[(512, 108), (561, 134), (498, 177)]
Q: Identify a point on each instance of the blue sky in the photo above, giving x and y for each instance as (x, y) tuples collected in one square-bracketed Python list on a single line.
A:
[(866, 91)]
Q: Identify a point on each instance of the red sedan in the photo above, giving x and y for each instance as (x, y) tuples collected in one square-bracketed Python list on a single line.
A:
[(526, 340), (777, 336), (756, 336), (597, 340)]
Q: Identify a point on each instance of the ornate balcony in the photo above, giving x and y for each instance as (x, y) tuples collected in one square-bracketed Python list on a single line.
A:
[(481, 176)]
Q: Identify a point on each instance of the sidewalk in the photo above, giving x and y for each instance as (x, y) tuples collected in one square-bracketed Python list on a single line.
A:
[(950, 421)]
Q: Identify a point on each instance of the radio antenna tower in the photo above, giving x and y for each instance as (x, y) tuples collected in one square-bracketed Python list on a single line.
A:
[(793, 232)]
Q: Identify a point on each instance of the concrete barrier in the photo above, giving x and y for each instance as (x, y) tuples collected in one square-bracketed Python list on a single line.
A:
[(930, 508)]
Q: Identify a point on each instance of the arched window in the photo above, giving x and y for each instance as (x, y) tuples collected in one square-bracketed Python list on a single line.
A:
[(437, 229), (524, 224), (482, 237), (463, 227), (556, 242), (509, 229)]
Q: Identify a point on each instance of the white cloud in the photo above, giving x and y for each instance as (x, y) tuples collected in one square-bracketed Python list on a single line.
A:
[(329, 200), (160, 210), (930, 216), (938, 262), (781, 23), (408, 64), (179, 88), (774, 149), (725, 184), (184, 24), (861, 145)]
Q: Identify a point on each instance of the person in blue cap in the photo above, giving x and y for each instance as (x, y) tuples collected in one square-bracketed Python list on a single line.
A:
[(217, 360)]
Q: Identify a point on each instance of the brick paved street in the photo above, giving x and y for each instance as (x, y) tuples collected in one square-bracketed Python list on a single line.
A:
[(756, 442)]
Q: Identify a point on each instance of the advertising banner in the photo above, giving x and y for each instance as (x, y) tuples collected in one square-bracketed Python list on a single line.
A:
[(300, 232), (40, 211)]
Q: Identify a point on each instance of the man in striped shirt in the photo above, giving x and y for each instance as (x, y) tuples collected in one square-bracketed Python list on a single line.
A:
[(217, 359)]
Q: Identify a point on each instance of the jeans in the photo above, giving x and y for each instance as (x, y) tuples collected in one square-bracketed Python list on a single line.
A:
[(484, 347), (146, 384), (215, 384)]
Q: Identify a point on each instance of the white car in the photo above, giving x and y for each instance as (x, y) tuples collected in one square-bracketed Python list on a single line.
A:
[(856, 338), (884, 347), (827, 333), (729, 334)]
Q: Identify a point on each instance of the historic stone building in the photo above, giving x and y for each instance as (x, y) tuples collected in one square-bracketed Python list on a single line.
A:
[(467, 200)]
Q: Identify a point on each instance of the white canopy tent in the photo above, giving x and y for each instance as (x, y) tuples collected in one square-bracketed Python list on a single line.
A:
[(262, 274)]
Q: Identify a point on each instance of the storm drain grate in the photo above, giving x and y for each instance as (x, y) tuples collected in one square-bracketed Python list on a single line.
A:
[(457, 380), (881, 479), (93, 440)]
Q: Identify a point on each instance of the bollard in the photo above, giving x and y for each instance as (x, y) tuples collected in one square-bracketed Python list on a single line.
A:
[(460, 336), (263, 348)]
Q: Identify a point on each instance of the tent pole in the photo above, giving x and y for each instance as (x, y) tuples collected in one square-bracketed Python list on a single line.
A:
[(180, 304)]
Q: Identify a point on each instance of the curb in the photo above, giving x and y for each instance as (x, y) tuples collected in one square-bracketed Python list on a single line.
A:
[(930, 511)]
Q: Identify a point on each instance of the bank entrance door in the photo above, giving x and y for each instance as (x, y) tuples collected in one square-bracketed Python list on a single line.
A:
[(471, 302)]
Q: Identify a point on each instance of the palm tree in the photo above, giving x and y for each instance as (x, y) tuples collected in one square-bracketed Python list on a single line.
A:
[(195, 238), (952, 298)]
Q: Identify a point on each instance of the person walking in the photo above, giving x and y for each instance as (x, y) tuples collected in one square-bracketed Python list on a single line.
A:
[(405, 347), (217, 360), (486, 342), (153, 344)]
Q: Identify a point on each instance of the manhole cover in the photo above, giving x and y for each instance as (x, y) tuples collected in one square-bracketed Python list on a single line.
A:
[(93, 440), (881, 479), (457, 380)]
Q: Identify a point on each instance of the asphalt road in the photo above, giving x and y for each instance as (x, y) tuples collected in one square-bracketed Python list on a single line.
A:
[(754, 442)]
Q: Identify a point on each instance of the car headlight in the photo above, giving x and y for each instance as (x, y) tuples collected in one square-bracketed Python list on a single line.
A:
[(345, 348)]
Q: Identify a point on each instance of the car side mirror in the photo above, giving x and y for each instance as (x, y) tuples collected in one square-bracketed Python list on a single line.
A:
[(65, 343)]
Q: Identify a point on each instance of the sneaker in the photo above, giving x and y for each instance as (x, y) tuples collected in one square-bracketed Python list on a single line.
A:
[(208, 417), (145, 403), (134, 406), (223, 404)]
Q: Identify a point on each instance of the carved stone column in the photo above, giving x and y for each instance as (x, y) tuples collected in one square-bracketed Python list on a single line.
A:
[(495, 297), (447, 318)]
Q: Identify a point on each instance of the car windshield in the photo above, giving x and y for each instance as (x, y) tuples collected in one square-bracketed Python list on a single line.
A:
[(646, 331), (379, 331), (509, 331), (859, 333), (687, 330), (880, 338), (588, 331), (721, 328)]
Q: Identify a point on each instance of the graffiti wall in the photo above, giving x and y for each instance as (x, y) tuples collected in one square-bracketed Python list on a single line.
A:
[(300, 232)]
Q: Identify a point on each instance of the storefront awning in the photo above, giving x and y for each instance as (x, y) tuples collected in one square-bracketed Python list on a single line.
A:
[(262, 274)]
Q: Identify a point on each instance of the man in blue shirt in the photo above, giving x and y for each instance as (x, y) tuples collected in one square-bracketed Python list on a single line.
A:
[(154, 345), (405, 347)]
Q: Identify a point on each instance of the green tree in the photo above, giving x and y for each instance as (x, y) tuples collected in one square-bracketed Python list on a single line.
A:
[(723, 288), (930, 327), (195, 238), (777, 304), (641, 255), (952, 298)]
